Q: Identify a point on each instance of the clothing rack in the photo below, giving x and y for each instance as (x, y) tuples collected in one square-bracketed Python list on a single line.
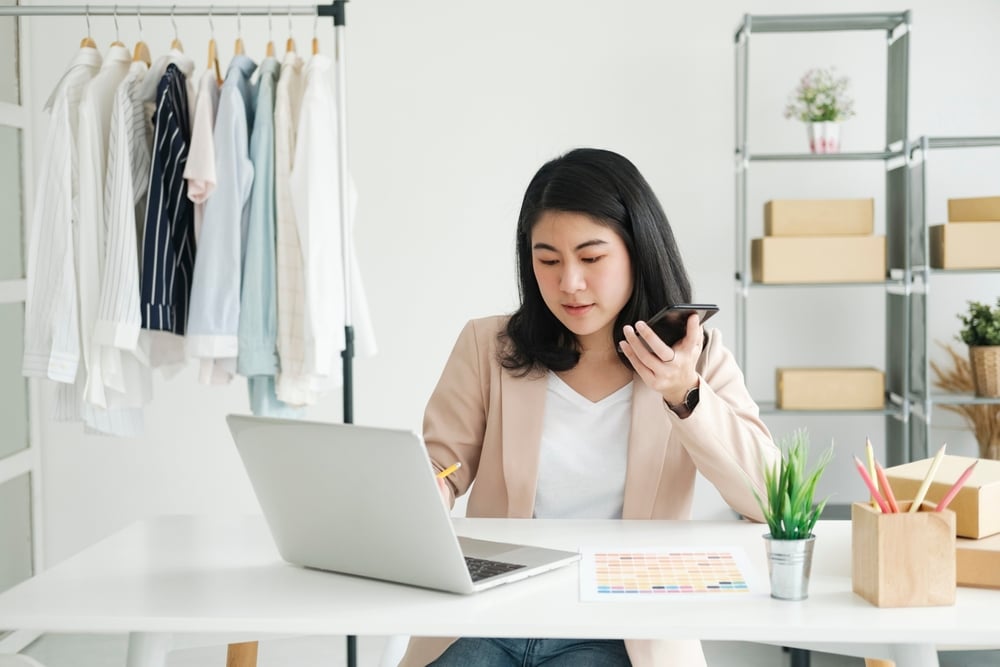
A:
[(336, 10)]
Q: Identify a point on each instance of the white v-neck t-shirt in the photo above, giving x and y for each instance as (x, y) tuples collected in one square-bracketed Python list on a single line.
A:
[(583, 453)]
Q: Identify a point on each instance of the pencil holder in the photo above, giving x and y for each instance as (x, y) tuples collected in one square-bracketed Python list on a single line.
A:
[(903, 559)]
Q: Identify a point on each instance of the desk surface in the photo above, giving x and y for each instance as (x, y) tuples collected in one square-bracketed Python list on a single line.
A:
[(223, 574)]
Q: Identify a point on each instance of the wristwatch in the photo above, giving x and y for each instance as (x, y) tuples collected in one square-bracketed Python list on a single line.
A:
[(690, 402)]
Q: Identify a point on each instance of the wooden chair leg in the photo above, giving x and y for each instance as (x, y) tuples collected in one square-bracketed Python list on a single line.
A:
[(242, 655), (875, 662)]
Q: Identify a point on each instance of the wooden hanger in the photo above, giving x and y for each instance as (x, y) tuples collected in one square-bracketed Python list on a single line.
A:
[(290, 44), (176, 44), (141, 52), (238, 48), (315, 38), (88, 41), (213, 60), (269, 50), (118, 41)]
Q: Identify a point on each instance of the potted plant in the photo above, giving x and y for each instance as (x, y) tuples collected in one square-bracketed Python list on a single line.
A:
[(821, 101), (791, 516), (981, 332)]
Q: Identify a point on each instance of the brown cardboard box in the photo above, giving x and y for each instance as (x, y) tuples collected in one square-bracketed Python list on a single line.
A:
[(977, 562), (977, 504), (965, 245), (974, 209), (819, 217), (903, 559), (830, 389), (818, 259)]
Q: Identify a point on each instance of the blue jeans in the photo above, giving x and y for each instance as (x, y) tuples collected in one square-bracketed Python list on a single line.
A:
[(490, 652)]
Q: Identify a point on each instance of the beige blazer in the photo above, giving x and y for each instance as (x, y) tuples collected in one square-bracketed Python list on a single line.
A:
[(491, 421)]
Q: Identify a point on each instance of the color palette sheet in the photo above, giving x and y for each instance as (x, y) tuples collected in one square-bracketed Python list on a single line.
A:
[(662, 573)]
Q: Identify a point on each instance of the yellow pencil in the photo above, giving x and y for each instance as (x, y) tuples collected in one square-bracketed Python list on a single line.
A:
[(926, 484), (450, 469), (871, 467)]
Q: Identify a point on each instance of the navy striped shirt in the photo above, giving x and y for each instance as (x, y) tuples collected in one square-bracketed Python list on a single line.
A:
[(168, 245)]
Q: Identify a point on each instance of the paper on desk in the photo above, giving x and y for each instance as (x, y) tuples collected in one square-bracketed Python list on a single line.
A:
[(661, 573)]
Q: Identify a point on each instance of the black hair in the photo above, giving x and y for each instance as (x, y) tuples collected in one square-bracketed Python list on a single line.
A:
[(607, 187)]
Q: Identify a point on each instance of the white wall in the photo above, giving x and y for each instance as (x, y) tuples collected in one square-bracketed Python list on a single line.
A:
[(452, 107)]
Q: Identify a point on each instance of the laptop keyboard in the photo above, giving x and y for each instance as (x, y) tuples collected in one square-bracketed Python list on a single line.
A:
[(483, 569)]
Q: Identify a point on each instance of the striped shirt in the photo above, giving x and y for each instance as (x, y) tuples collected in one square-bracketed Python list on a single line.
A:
[(168, 247)]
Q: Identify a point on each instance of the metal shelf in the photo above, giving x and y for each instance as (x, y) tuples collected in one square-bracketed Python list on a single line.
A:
[(958, 399), (821, 22), (823, 157), (867, 283), (769, 408)]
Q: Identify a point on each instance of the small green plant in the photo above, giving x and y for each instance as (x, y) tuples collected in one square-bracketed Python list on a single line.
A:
[(789, 510), (980, 324), (820, 96)]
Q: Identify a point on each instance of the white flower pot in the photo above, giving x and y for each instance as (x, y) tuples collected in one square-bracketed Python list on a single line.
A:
[(824, 137)]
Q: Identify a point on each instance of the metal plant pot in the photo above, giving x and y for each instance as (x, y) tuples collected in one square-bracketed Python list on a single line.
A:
[(789, 564)]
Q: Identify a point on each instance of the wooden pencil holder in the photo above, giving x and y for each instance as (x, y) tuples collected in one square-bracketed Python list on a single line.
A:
[(903, 559)]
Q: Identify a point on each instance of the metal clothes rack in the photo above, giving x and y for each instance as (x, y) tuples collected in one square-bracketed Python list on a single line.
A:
[(337, 11)]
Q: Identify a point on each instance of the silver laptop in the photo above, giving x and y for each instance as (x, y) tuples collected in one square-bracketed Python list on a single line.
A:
[(363, 501)]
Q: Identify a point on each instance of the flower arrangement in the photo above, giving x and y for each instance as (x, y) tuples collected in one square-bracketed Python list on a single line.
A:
[(789, 510), (820, 96), (980, 324)]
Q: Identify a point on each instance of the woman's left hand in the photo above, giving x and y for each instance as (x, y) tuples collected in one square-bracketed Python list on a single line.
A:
[(670, 370)]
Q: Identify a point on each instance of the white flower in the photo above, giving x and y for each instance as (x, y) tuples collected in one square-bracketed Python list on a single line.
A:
[(820, 96)]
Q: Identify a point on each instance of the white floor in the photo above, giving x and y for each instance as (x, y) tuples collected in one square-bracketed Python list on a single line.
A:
[(109, 651)]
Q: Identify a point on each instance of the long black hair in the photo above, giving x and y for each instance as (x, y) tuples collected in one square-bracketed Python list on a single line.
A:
[(608, 188)]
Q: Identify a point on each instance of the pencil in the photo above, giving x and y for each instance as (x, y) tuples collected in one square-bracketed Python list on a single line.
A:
[(926, 484), (871, 464), (882, 505), (450, 469), (883, 482), (956, 487)]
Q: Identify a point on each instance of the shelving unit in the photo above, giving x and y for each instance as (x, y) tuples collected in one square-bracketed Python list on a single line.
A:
[(922, 395), (894, 156)]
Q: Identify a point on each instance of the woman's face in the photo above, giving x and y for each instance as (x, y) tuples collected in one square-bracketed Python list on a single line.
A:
[(584, 272)]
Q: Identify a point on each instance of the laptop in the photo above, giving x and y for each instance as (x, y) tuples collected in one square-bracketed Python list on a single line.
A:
[(363, 501)]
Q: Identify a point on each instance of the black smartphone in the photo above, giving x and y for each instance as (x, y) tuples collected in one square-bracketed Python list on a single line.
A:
[(670, 324)]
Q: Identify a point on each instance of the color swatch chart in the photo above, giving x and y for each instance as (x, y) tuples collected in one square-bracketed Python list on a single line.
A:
[(664, 573)]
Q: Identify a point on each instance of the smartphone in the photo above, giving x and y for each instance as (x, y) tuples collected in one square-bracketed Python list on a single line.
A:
[(670, 324)]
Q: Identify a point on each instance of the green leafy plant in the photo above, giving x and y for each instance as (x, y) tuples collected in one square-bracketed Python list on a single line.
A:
[(789, 510), (980, 324), (820, 96)]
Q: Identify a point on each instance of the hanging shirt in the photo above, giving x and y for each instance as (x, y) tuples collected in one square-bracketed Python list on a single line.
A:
[(168, 247), (316, 198), (94, 127), (258, 354), (200, 168), (51, 331), (292, 383), (126, 375), (215, 298)]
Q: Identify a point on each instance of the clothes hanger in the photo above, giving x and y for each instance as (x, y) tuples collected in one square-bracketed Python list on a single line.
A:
[(141, 52), (269, 52), (88, 41), (213, 50), (290, 44), (118, 40), (315, 38), (176, 44), (238, 49)]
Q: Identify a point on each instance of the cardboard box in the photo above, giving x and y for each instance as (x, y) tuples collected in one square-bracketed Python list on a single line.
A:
[(903, 559), (819, 217), (965, 245), (974, 209), (976, 505), (818, 259), (830, 389), (977, 562)]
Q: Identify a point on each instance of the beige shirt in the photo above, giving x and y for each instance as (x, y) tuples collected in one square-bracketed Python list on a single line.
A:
[(491, 421)]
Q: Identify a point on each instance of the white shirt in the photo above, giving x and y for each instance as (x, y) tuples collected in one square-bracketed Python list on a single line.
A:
[(583, 455), (316, 201), (52, 336)]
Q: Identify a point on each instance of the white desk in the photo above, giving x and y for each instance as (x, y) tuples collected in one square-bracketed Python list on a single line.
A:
[(181, 575)]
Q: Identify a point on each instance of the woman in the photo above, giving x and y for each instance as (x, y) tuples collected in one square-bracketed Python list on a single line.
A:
[(561, 411)]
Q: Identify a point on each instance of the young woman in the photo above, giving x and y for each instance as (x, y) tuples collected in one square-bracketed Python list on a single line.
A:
[(561, 411)]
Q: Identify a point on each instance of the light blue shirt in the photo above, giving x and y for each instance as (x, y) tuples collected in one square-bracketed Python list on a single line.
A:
[(258, 321), (213, 322)]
